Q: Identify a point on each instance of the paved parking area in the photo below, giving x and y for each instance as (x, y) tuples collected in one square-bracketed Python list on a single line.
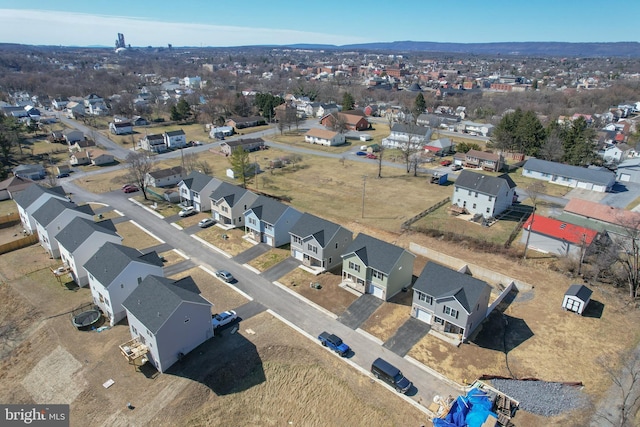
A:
[(359, 311), (407, 336), (280, 269), (251, 253), (249, 310), (177, 268)]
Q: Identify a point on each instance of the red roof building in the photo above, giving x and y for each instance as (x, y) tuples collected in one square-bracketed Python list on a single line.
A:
[(550, 235)]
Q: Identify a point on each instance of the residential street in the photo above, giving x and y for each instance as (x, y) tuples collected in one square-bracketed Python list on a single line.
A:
[(303, 316)]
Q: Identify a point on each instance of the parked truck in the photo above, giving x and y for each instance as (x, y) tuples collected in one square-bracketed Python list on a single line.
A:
[(439, 178), (334, 343)]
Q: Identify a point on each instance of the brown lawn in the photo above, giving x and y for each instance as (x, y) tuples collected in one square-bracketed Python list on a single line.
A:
[(386, 320), (134, 236), (269, 259), (330, 296), (233, 243), (171, 258)]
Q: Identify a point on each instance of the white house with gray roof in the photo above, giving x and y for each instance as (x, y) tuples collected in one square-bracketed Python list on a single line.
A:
[(229, 203), (175, 139), (449, 301), (319, 243), (403, 135), (52, 217), (79, 240), (373, 266), (114, 272), (269, 221), (165, 177), (31, 199), (169, 317), (595, 179), (483, 194), (195, 189)]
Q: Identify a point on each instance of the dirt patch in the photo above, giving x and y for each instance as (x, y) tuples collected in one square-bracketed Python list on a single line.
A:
[(135, 237), (11, 233), (330, 295), (229, 241), (171, 257), (386, 320), (54, 379)]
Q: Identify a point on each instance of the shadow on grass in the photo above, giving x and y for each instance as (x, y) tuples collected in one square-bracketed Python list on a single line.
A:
[(594, 309), (501, 332)]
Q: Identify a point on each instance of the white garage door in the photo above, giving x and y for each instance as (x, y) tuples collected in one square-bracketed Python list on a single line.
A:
[(625, 177), (297, 254), (583, 185), (268, 240), (425, 316), (377, 292)]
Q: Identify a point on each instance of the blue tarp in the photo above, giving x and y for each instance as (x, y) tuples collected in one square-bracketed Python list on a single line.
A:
[(471, 410)]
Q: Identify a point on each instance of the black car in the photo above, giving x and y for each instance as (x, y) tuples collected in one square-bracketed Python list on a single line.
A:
[(63, 175)]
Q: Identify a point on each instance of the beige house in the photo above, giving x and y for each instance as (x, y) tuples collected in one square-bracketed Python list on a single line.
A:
[(324, 137)]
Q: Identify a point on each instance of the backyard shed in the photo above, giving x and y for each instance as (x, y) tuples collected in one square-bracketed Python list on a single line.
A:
[(576, 298)]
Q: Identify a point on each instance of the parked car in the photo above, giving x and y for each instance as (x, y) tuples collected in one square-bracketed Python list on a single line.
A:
[(456, 167), (446, 162), (207, 222), (222, 319), (63, 175), (361, 153), (224, 275), (371, 156), (334, 343), (188, 211), (388, 373), (131, 189)]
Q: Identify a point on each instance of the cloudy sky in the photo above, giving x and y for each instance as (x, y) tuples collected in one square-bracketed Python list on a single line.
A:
[(252, 22)]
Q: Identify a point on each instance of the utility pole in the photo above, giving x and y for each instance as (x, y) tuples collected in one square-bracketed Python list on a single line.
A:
[(364, 186)]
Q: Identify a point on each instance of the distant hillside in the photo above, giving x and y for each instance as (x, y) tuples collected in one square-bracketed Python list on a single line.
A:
[(629, 49)]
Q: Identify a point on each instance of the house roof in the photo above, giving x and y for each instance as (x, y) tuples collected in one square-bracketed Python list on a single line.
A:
[(580, 291), (439, 144), (155, 137), (442, 282), (196, 181), (604, 213), (267, 209), (560, 230), (25, 198), (595, 176), (111, 259), (375, 253), (482, 183), (15, 184), (229, 192), (80, 229), (156, 298), (53, 207), (410, 129), (311, 225), (244, 141), (482, 155), (321, 133), (121, 124), (163, 173), (175, 133)]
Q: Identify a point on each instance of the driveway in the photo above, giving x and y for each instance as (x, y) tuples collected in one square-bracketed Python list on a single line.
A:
[(185, 265), (360, 310), (251, 253), (622, 195), (408, 335), (280, 269)]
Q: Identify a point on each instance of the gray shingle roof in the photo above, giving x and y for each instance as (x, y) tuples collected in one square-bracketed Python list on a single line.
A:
[(30, 194), (375, 253), (311, 225), (482, 183), (156, 298), (162, 173), (410, 129), (196, 181), (80, 229), (53, 207), (229, 192), (440, 282), (109, 261), (580, 291), (174, 132), (267, 209), (595, 176)]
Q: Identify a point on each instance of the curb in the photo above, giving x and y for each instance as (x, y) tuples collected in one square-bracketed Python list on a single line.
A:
[(210, 246), (306, 301)]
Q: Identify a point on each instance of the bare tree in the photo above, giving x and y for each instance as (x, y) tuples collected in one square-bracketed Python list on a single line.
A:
[(629, 251), (625, 375), (139, 164), (380, 156), (534, 190)]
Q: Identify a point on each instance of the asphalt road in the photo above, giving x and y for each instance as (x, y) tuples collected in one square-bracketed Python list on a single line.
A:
[(292, 309)]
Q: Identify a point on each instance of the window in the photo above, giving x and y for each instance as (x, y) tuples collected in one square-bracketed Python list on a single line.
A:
[(312, 248), (457, 189), (476, 196), (490, 198), (187, 320), (297, 240), (354, 266), (488, 209), (121, 285), (436, 319), (450, 311), (139, 280), (426, 298), (469, 192), (133, 329), (474, 206), (377, 274)]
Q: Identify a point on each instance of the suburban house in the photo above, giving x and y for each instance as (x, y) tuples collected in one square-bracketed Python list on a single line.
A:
[(614, 153), (602, 218), (557, 237), (59, 103), (319, 243), (402, 135), (139, 121), (322, 110), (175, 139), (195, 189), (444, 121), (31, 199), (373, 266), (229, 203), (52, 217), (352, 119), (595, 179), (442, 146), (248, 144), (92, 99), (101, 157), (245, 122), (79, 240), (154, 143), (72, 135), (34, 172), (220, 131), (472, 128), (75, 109), (169, 317), (324, 137), (479, 160), (81, 145), (114, 272), (79, 158), (576, 298), (450, 301), (629, 170), (483, 194), (12, 186), (269, 221), (120, 128), (165, 177)]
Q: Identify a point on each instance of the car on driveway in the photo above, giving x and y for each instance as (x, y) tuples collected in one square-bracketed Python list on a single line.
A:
[(371, 156), (456, 167), (207, 222), (224, 275), (222, 319), (188, 211), (445, 162), (361, 153), (131, 189)]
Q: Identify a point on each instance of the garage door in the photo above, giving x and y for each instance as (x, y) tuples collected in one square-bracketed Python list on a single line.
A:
[(297, 254), (268, 240), (585, 185), (625, 177), (425, 316), (377, 292)]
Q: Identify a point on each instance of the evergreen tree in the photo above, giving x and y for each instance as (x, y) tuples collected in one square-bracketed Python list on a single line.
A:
[(420, 105), (240, 165), (578, 143), (347, 101)]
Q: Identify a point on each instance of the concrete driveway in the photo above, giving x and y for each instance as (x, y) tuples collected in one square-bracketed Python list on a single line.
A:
[(621, 195), (360, 310), (280, 269), (251, 253), (407, 336)]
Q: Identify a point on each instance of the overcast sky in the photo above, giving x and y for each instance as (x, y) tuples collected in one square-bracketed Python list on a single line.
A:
[(253, 22)]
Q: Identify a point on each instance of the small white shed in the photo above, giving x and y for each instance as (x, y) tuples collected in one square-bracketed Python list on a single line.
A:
[(576, 298)]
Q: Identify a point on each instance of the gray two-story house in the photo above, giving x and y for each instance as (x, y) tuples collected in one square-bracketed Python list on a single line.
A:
[(319, 243), (483, 194), (269, 221), (373, 266), (229, 203), (449, 301), (195, 190)]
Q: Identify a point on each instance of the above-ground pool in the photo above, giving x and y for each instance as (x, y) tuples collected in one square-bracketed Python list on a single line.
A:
[(86, 318)]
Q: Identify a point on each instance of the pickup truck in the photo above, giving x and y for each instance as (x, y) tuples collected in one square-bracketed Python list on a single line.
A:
[(334, 343)]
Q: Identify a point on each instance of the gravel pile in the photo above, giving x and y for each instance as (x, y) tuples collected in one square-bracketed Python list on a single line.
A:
[(541, 397)]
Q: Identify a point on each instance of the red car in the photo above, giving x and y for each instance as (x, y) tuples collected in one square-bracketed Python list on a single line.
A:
[(131, 189), (445, 162), (371, 156)]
